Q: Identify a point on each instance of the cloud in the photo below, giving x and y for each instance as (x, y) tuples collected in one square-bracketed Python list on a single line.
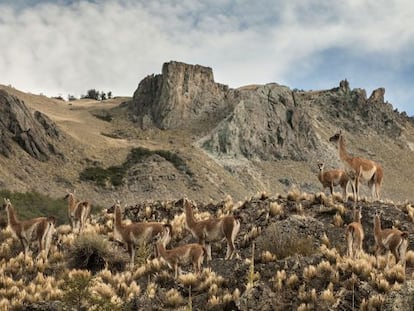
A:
[(71, 46)]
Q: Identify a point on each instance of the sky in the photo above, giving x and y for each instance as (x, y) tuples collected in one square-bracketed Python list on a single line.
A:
[(63, 47)]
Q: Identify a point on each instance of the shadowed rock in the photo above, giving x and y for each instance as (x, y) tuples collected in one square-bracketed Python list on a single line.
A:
[(32, 132)]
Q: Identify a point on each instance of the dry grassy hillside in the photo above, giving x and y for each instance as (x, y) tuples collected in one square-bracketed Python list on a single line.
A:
[(102, 134)]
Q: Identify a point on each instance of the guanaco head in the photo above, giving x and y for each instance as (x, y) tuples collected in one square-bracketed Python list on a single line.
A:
[(111, 210), (187, 204), (321, 165), (377, 213), (52, 220), (166, 234), (5, 204), (335, 138), (357, 214), (377, 216), (69, 194)]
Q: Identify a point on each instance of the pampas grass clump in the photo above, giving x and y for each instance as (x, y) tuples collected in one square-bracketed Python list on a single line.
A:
[(292, 281), (328, 296), (275, 209), (214, 301), (395, 274), (268, 257), (189, 279), (151, 290), (409, 258), (173, 298), (309, 272), (279, 278), (374, 302), (337, 220)]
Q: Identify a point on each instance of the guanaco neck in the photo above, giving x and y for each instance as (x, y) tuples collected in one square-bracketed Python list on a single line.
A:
[(343, 154), (118, 217), (161, 249), (71, 202), (357, 216), (11, 215), (320, 173), (377, 225), (189, 217)]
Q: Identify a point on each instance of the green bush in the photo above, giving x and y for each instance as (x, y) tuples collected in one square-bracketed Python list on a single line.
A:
[(115, 174), (96, 174)]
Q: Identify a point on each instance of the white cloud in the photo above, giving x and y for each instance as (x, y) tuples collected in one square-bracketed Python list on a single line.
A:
[(113, 44)]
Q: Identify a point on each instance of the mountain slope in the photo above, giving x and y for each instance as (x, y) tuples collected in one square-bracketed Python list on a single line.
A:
[(204, 140)]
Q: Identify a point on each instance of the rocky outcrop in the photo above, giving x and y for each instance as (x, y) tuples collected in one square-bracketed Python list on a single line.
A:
[(34, 133), (183, 95), (266, 123), (350, 109)]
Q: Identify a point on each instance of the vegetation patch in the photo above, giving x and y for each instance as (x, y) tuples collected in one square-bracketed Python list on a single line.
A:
[(104, 116), (33, 204), (285, 244), (93, 252), (115, 174)]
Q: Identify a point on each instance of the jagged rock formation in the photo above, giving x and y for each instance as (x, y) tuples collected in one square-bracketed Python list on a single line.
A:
[(32, 132), (266, 123), (181, 96), (352, 111)]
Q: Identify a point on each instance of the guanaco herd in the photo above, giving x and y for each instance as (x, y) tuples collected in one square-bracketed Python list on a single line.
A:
[(356, 170)]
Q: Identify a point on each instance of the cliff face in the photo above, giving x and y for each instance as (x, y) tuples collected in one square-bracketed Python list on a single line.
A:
[(33, 132), (181, 96), (265, 124)]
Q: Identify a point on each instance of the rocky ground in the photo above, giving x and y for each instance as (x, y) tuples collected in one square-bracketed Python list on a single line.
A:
[(291, 256), (291, 236)]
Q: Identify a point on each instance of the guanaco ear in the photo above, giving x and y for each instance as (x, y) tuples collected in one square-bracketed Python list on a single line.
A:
[(186, 202), (168, 229)]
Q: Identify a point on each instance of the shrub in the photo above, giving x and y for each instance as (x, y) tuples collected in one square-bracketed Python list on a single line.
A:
[(104, 116), (115, 174), (91, 251), (76, 288), (284, 244), (97, 174)]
